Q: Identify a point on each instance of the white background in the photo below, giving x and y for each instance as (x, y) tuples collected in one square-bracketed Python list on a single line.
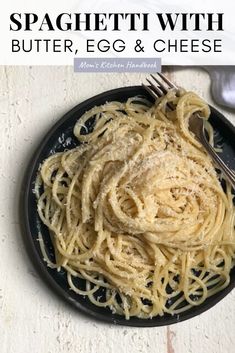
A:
[(227, 57)]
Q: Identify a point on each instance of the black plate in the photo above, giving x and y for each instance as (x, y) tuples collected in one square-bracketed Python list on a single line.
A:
[(61, 137)]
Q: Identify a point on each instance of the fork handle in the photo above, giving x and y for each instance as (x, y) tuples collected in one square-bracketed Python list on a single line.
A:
[(229, 174)]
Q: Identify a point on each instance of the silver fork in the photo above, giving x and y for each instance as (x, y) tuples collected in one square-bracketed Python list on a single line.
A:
[(158, 87)]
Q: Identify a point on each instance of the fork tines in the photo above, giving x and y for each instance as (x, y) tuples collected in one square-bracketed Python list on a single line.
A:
[(160, 86)]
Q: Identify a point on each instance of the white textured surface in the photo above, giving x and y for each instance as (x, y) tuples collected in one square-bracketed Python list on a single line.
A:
[(32, 318)]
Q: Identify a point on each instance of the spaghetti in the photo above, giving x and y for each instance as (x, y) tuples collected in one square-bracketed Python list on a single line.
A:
[(137, 210)]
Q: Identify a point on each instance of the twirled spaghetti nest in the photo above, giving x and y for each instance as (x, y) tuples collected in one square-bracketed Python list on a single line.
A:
[(137, 209)]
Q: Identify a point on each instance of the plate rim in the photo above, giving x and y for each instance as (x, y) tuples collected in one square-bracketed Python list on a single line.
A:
[(38, 261)]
